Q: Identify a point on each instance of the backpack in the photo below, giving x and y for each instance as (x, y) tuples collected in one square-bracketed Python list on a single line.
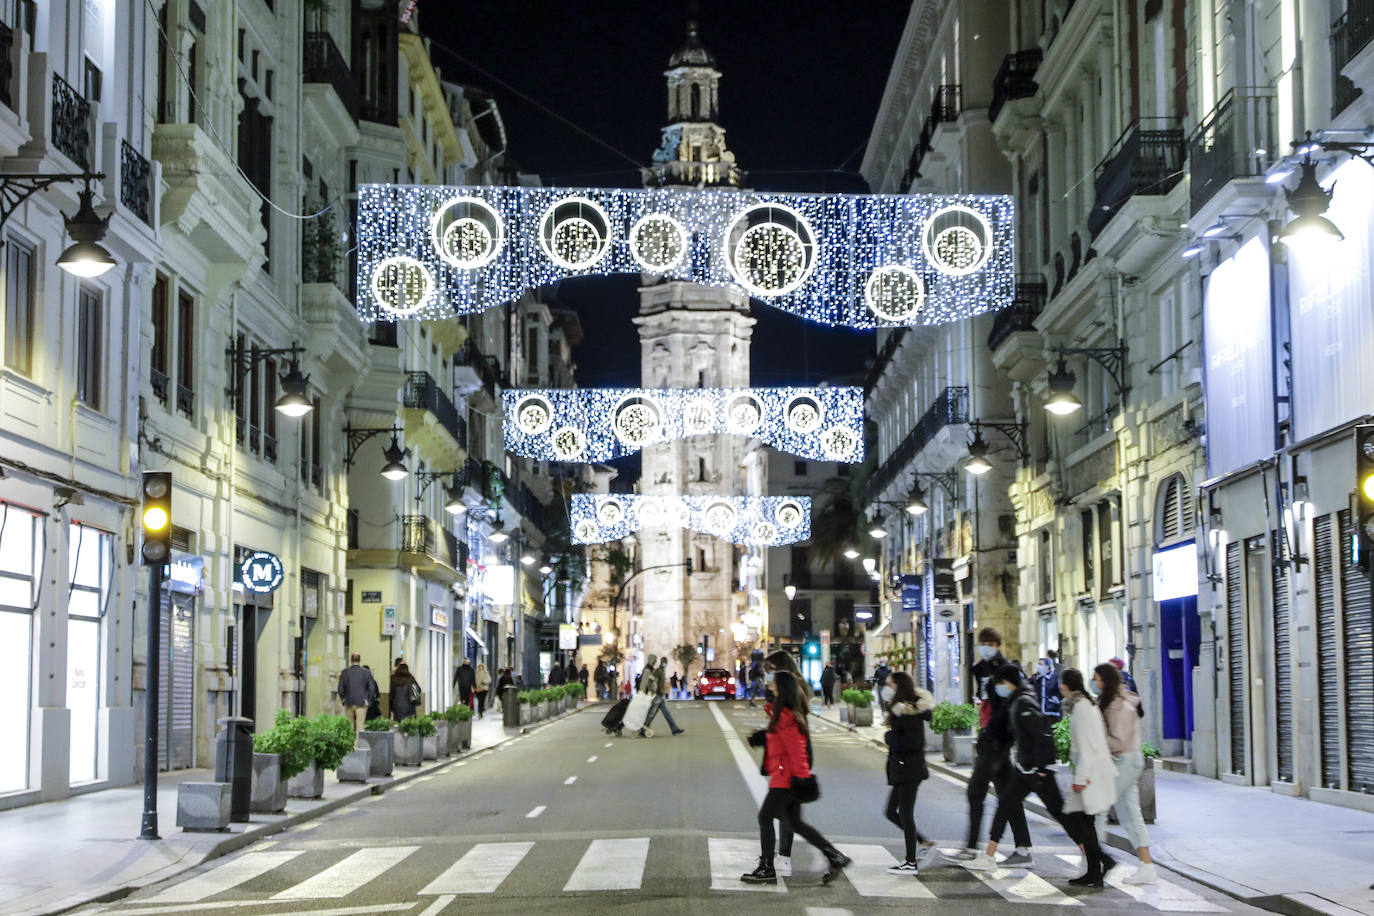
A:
[(1038, 752), (414, 693)]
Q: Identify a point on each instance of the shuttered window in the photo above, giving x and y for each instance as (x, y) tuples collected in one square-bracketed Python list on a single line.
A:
[(1358, 650), (1175, 510), (1235, 653), (1283, 663), (1329, 698)]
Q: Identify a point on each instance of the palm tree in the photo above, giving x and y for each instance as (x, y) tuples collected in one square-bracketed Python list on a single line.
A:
[(836, 517)]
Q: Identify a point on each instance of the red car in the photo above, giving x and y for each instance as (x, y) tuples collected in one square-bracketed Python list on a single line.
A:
[(716, 682)]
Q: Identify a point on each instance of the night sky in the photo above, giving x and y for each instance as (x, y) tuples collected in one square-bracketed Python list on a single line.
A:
[(801, 84)]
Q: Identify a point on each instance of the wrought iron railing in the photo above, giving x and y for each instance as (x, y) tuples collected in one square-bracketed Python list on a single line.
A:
[(423, 393), (488, 368), (71, 122), (884, 357), (451, 552), (948, 104), (417, 535), (135, 182), (186, 402), (1349, 34), (951, 406), (324, 64), (1015, 79), (1225, 146), (1146, 159), (1031, 292), (269, 448), (1096, 425), (6, 66), (160, 381), (944, 108), (351, 524), (254, 438)]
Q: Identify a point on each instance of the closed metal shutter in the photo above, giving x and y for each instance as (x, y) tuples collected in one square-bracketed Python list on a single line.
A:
[(182, 674), (1235, 653), (1358, 645), (1283, 663), (164, 676), (1329, 699)]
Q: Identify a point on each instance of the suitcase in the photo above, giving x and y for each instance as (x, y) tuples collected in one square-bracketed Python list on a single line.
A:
[(637, 712), (612, 722)]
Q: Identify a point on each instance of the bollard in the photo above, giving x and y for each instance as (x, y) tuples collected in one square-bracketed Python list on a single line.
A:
[(510, 708), (234, 764)]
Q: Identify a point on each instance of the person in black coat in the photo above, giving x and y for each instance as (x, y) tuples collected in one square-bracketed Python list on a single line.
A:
[(406, 699), (828, 686), (906, 761)]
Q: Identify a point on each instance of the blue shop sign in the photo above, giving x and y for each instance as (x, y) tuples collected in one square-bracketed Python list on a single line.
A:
[(184, 574), (260, 572)]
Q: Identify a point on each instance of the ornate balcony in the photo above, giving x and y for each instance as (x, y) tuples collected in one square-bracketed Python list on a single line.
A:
[(429, 548), (431, 420), (1031, 292), (159, 381), (324, 64), (6, 66), (1352, 31), (135, 182), (71, 122), (1148, 158), (950, 407), (186, 402), (1015, 79), (1223, 147)]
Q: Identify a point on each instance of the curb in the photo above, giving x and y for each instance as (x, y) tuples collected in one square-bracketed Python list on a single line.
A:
[(1276, 903), (248, 837)]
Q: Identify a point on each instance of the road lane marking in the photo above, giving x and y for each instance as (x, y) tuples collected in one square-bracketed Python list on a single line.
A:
[(827, 911), (753, 779), (222, 878), (437, 907), (570, 780), (608, 744), (1169, 898), (1019, 886), (732, 858), (869, 874), (332, 911), (591, 759), (538, 810), (347, 875), (481, 870), (611, 865)]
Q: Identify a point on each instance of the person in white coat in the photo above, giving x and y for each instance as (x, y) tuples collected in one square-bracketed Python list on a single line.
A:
[(1094, 775), (1121, 714)]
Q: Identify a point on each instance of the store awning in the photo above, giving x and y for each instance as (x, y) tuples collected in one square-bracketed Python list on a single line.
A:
[(472, 635)]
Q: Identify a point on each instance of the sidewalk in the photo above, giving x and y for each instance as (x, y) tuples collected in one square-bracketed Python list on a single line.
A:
[(1285, 854), (58, 855)]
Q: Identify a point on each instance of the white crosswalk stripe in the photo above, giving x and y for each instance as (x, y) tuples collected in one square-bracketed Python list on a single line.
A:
[(481, 870), (345, 877), (222, 877), (869, 874), (1162, 896), (732, 858), (1017, 886), (611, 865)]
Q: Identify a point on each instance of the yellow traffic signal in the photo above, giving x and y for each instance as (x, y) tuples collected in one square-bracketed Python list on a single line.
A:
[(157, 518)]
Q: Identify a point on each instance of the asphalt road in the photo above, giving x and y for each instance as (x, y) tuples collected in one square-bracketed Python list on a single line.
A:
[(570, 818)]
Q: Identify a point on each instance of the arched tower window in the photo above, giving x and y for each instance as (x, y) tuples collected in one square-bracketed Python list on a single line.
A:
[(696, 102), (1173, 510)]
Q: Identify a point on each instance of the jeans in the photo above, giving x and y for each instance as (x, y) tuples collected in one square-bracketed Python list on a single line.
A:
[(1129, 766), (1077, 825), (654, 706), (782, 805), (993, 766), (901, 810), (481, 703)]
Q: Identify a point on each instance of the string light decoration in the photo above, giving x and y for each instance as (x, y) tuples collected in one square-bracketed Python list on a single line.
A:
[(600, 424), (859, 261), (764, 521)]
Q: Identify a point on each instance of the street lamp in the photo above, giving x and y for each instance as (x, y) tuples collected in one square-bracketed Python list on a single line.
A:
[(870, 564), (499, 536), (877, 531), (395, 468), (1309, 201), (851, 553), (295, 386), (916, 503), (545, 569), (527, 560), (1062, 399), (790, 591), (454, 504), (86, 257), (978, 463)]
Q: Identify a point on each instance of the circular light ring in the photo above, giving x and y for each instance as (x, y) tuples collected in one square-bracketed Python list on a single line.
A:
[(467, 232), (763, 533), (575, 233), (790, 515), (679, 513), (698, 417), (610, 513), (953, 246), (636, 420), (895, 293), (649, 513), (533, 414), (719, 518), (658, 242), (804, 414), (770, 249), (569, 443), (743, 414), (586, 530), (408, 275), (838, 443)]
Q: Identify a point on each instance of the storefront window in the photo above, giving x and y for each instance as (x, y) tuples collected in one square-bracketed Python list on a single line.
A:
[(89, 562), (21, 552)]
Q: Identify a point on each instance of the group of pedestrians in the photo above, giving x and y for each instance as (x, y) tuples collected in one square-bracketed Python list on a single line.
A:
[(570, 673)]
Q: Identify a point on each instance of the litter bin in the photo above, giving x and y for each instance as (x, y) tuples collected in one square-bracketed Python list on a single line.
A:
[(234, 764), (510, 707)]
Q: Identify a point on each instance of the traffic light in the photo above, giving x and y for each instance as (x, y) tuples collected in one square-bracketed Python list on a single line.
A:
[(813, 647), (157, 518), (1364, 486), (688, 564)]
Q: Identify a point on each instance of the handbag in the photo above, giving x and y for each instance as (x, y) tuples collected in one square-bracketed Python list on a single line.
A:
[(806, 789)]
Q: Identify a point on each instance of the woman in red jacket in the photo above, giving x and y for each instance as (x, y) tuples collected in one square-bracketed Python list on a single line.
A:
[(787, 768)]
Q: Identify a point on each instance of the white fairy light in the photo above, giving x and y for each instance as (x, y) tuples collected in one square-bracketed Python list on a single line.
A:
[(599, 424), (764, 521), (854, 260)]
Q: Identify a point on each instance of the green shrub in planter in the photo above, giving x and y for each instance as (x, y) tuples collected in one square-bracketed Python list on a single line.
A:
[(290, 737), (523, 698), (377, 725), (458, 712), (1062, 740), (953, 717), (1149, 751), (857, 697), (331, 739), (417, 726)]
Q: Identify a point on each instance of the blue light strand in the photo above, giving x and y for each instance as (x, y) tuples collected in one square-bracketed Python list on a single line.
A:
[(764, 521)]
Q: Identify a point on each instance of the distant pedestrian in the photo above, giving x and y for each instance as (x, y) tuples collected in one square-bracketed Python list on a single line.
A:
[(790, 781), (557, 676), (755, 682), (1046, 683), (906, 761), (1094, 775), (465, 681), (673, 686), (828, 677), (480, 685), (520, 682), (1053, 657), (571, 669), (406, 697), (356, 686), (1125, 677), (653, 682), (583, 675), (603, 679), (374, 702), (1118, 707), (880, 685)]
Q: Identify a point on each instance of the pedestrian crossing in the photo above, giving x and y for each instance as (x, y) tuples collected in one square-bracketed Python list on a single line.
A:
[(607, 865)]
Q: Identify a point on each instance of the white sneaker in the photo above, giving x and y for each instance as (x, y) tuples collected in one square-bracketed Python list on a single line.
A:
[(1145, 874), (782, 866), (980, 862)]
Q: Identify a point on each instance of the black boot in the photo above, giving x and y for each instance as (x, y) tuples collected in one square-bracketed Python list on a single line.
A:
[(762, 874), (838, 861), (1093, 877)]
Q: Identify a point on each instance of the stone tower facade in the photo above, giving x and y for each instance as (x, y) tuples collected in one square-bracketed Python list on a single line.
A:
[(692, 336)]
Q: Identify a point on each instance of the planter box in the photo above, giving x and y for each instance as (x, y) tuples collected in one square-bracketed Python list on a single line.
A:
[(544, 710), (429, 747), (203, 806), (524, 713), (309, 783), (947, 741), (463, 741), (269, 789), (862, 715), (383, 748), (963, 749), (844, 712), (442, 731), (356, 766), (1147, 791), (408, 750)]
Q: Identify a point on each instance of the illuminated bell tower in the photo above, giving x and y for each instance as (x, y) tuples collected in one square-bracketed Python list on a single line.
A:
[(691, 336)]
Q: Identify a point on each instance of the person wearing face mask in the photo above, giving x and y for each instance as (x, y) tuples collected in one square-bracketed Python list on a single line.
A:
[(991, 759), (1046, 682), (1119, 714)]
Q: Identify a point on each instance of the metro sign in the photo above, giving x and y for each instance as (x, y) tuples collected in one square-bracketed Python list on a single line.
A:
[(261, 572)]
